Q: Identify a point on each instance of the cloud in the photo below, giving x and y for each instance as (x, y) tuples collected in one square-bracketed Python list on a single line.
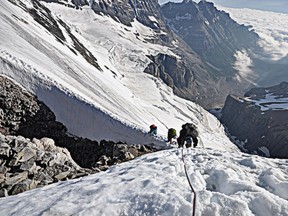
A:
[(270, 26), (267, 5), (243, 65), (280, 6)]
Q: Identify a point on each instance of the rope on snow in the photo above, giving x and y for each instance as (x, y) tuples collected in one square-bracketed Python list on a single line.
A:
[(190, 184)]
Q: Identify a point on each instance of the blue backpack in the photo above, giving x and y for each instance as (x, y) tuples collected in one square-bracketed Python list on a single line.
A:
[(189, 141)]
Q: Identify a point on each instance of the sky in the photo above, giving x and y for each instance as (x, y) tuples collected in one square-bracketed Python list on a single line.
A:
[(267, 5)]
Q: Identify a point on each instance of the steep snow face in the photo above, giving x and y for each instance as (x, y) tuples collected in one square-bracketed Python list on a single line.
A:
[(92, 77), (156, 184)]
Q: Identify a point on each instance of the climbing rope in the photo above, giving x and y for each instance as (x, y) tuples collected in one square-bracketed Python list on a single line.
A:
[(192, 189)]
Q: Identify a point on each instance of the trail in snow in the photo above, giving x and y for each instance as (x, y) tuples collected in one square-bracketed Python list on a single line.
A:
[(156, 184)]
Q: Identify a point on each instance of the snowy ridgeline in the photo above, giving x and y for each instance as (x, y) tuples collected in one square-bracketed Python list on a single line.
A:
[(155, 184), (270, 102)]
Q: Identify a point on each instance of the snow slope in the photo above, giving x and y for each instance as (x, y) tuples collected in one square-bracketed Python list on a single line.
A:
[(117, 101), (156, 184)]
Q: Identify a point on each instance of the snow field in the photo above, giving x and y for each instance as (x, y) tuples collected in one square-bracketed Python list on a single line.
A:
[(156, 184)]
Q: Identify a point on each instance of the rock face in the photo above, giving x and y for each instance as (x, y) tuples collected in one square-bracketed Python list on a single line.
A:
[(21, 113), (260, 119), (26, 164), (126, 11)]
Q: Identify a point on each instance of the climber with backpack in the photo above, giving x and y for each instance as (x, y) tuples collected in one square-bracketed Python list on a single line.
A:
[(153, 130), (188, 135), (172, 134)]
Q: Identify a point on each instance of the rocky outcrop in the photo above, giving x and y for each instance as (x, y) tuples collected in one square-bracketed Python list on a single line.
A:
[(21, 113), (170, 70), (26, 164), (260, 120), (216, 38), (127, 10), (89, 154)]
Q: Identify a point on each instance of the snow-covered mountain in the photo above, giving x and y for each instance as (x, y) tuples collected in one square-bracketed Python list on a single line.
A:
[(89, 71), (217, 38)]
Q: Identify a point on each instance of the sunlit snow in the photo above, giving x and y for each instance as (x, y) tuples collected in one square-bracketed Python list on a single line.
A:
[(156, 184)]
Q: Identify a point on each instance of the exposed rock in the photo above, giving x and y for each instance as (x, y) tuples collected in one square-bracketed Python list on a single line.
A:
[(4, 149), (43, 178), (16, 178), (25, 185), (62, 175), (35, 118), (260, 120), (34, 164), (128, 156), (3, 169), (3, 192), (28, 166), (26, 154)]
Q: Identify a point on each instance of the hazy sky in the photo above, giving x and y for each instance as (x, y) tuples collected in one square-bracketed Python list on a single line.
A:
[(270, 5)]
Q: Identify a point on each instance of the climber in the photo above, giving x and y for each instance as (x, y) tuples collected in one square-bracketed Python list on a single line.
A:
[(172, 134), (153, 130), (189, 135)]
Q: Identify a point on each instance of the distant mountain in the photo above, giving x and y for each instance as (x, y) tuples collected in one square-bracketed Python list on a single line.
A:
[(259, 119), (210, 33)]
